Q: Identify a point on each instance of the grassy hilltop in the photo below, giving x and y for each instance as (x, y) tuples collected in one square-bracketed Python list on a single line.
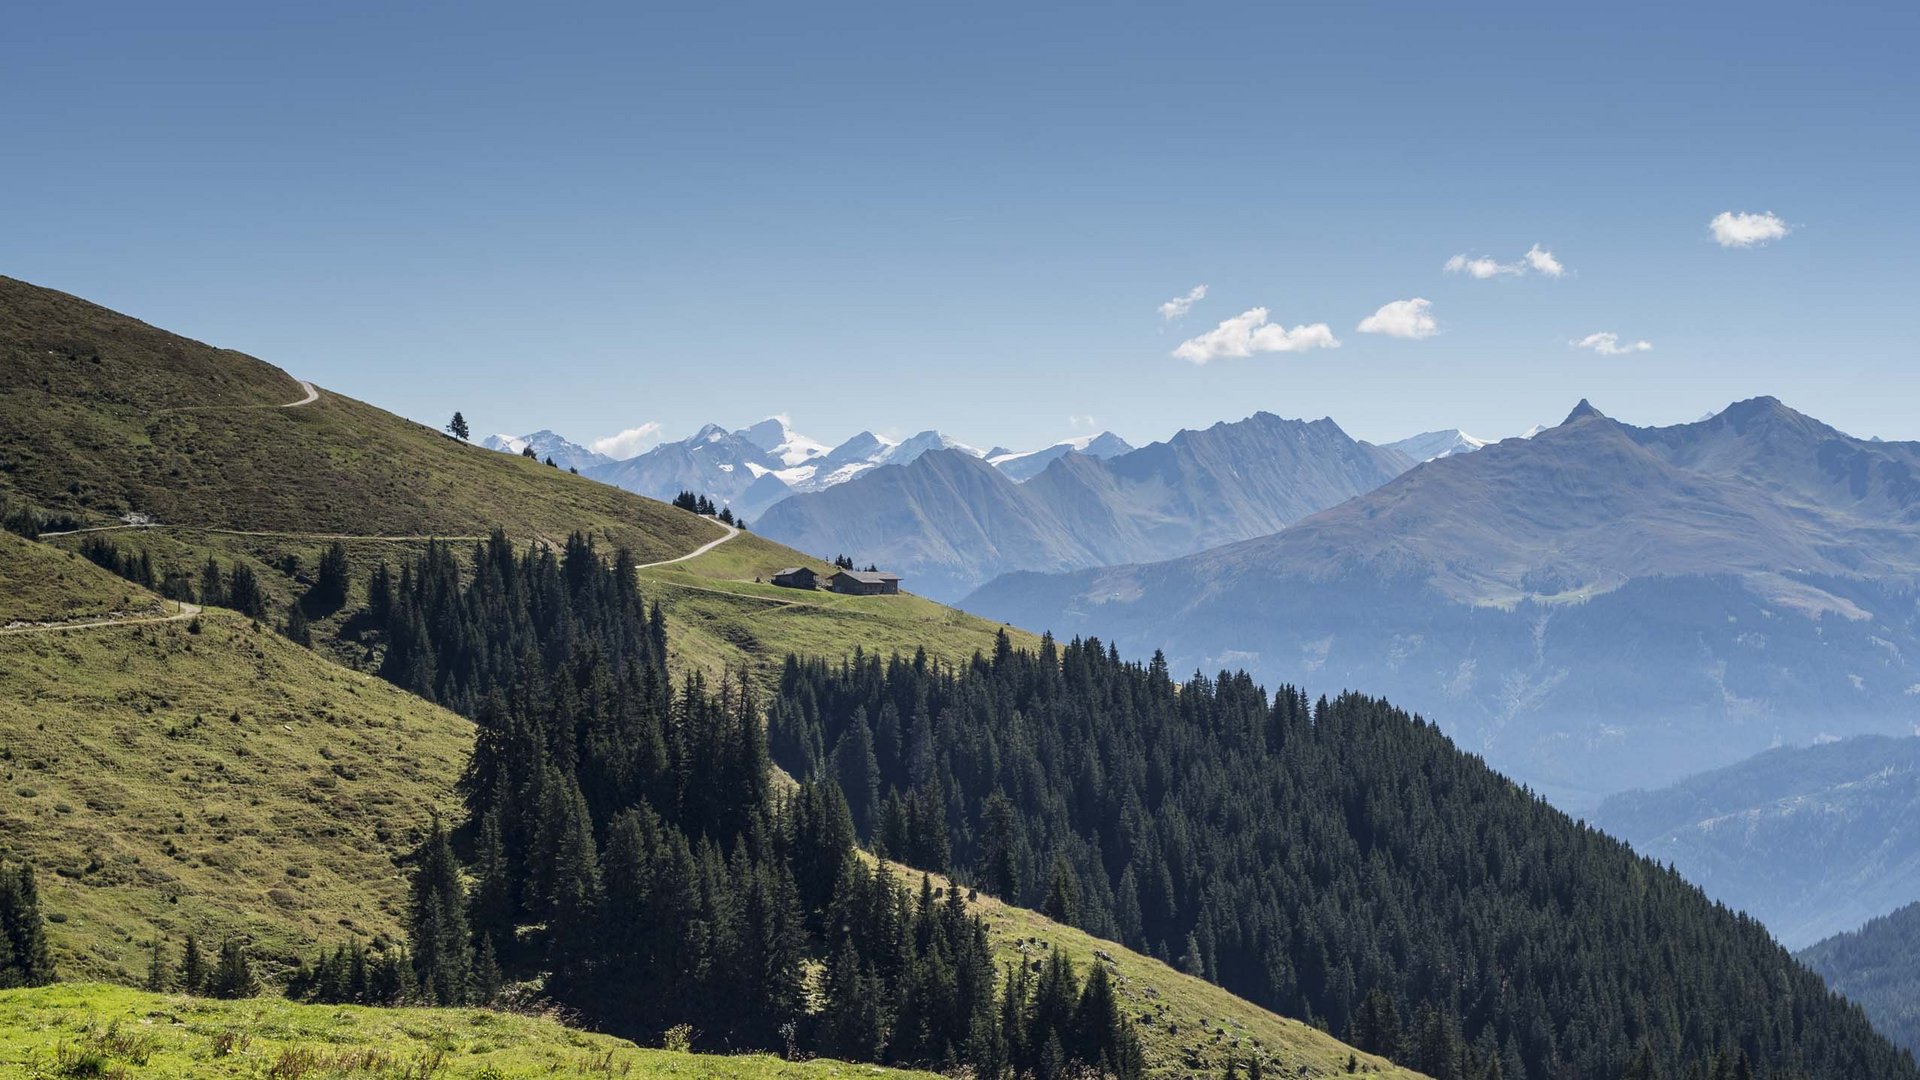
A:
[(720, 615)]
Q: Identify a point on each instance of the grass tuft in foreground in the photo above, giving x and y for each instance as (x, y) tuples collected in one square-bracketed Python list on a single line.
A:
[(95, 1030)]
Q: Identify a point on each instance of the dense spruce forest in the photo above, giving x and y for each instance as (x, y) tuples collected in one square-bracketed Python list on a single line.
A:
[(625, 847), (1336, 860)]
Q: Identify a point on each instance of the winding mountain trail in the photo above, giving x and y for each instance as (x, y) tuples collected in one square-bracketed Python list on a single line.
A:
[(412, 538), (313, 395), (696, 552), (187, 611)]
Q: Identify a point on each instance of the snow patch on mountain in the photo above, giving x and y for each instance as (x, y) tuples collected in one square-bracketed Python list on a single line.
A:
[(1429, 445), (546, 444)]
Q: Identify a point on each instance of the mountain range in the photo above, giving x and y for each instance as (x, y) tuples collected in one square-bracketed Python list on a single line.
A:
[(547, 445), (752, 468), (1595, 608), (1810, 840), (950, 521)]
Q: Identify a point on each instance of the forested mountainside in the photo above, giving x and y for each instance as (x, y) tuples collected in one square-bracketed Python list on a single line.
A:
[(1337, 860), (1596, 608), (1878, 966), (952, 521), (620, 821), (1810, 840), (311, 791)]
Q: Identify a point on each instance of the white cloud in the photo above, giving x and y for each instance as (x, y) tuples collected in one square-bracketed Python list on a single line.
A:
[(1411, 319), (1482, 267), (1537, 259), (1741, 229), (628, 443), (1543, 262), (1248, 333), (1081, 422), (1178, 307), (1607, 343)]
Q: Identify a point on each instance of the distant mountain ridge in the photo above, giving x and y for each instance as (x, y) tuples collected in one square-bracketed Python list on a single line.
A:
[(548, 445), (951, 522), (1877, 967), (1438, 444), (1595, 608), (1026, 466), (752, 468), (1810, 840)]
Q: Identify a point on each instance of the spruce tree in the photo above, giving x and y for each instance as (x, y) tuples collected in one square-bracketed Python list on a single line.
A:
[(457, 427), (159, 969), (1001, 863), (490, 913), (329, 589), (232, 976), (25, 957), (437, 922), (243, 592), (297, 629), (213, 589), (1063, 894), (487, 980), (193, 967), (574, 903)]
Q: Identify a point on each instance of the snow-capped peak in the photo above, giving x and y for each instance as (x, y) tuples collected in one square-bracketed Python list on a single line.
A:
[(780, 440), (547, 444), (926, 441), (1023, 465), (1447, 442)]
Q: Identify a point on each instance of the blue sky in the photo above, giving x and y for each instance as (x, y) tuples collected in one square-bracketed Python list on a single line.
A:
[(902, 216)]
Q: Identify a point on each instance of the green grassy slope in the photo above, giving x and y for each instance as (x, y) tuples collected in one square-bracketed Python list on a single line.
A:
[(94, 1030), (1188, 1026), (101, 415), (40, 584), (219, 781), (719, 616)]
